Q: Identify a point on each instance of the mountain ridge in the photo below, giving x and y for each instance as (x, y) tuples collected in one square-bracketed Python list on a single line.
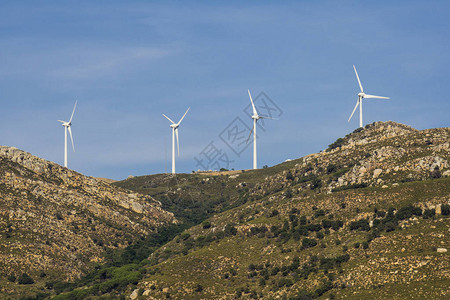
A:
[(366, 217)]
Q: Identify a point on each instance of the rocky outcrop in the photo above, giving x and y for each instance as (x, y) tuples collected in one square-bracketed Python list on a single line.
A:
[(61, 222), (383, 153)]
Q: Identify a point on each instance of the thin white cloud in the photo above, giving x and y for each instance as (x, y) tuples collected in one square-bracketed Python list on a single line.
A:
[(97, 63)]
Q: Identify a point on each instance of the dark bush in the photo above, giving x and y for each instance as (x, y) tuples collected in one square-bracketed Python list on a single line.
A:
[(380, 214), (390, 226), (350, 187), (308, 243), (429, 213), (326, 224), (206, 224), (12, 278), (319, 213), (323, 288), (289, 176), (407, 212), (274, 213), (275, 230), (338, 143), (284, 282), (303, 220), (316, 183), (230, 230), (337, 224), (314, 227), (331, 168), (445, 209), (198, 288), (25, 279), (436, 173), (362, 224)]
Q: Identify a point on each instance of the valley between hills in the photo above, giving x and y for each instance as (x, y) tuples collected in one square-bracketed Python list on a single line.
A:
[(366, 218)]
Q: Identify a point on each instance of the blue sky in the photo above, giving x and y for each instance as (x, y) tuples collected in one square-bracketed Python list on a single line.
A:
[(128, 62)]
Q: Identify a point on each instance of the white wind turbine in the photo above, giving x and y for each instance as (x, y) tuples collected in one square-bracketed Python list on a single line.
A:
[(361, 96), (174, 127), (255, 118), (67, 127)]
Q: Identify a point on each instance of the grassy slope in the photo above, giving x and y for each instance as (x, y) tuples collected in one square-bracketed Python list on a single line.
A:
[(206, 263), (390, 264)]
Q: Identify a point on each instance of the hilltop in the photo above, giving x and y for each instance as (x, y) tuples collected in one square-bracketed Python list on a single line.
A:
[(58, 224)]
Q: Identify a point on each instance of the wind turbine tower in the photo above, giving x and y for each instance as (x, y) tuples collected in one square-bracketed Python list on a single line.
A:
[(174, 127), (67, 126), (361, 96), (255, 118)]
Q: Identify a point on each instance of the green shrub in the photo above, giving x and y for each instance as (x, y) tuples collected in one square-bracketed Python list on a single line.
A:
[(319, 213), (365, 245), (338, 143), (445, 209), (303, 220), (331, 168), (407, 212), (206, 224), (25, 279), (274, 213), (198, 288), (12, 278), (314, 227), (230, 230), (429, 213), (308, 243), (362, 224), (284, 282)]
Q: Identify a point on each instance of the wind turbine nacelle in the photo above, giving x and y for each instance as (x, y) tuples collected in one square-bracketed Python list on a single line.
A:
[(256, 117), (361, 95), (174, 126)]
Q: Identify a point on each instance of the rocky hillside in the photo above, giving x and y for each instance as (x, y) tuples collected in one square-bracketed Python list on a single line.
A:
[(367, 217), (56, 223)]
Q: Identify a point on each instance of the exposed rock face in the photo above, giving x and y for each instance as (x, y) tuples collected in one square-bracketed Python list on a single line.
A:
[(383, 153), (58, 221)]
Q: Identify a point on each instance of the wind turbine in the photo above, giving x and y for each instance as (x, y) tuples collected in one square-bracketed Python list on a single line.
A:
[(67, 128), (174, 127), (361, 96), (255, 118)]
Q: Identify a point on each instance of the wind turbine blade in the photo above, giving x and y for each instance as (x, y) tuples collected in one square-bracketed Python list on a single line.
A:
[(183, 116), (71, 138), (357, 103), (61, 121), (168, 119), (255, 113), (359, 81), (73, 112), (377, 97), (178, 142), (264, 117), (253, 127)]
